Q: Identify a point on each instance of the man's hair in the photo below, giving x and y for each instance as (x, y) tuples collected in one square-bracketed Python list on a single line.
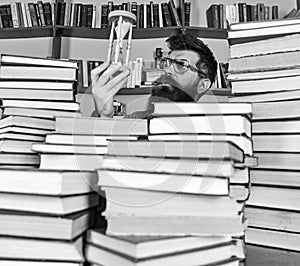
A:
[(207, 62)]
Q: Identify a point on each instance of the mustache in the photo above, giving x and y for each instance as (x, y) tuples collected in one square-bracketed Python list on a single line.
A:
[(166, 88)]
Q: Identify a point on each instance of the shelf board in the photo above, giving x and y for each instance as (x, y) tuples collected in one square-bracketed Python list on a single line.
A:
[(28, 32), (150, 33)]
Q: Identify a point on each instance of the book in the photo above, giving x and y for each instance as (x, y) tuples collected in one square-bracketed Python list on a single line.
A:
[(269, 45), (144, 247), (100, 126), (169, 165), (273, 219), (174, 14), (204, 256), (278, 160), (276, 61), (35, 85), (275, 110), (147, 203), (279, 177), (242, 141), (21, 136), (278, 127), (42, 113), (212, 16), (7, 59), (48, 227), (48, 204), (66, 106), (47, 182), (204, 149), (274, 197), (257, 255), (68, 149), (276, 143), (37, 263), (181, 226), (19, 158), (272, 238), (40, 249), (172, 109), (37, 73), (264, 85), (178, 183), (211, 124), (56, 95), (23, 130), (77, 162), (16, 146), (98, 140), (27, 122)]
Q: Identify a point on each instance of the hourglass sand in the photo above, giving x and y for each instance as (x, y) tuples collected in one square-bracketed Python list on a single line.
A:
[(121, 22)]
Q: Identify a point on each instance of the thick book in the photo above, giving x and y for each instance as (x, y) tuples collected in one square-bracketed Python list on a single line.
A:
[(22, 136), (40, 249), (242, 141), (270, 45), (42, 113), (276, 143), (19, 158), (211, 124), (38, 73), (273, 219), (272, 238), (7, 59), (278, 127), (143, 247), (101, 126), (276, 110), (278, 160), (274, 197), (264, 85), (68, 149), (54, 95), (77, 162), (35, 104), (275, 61), (43, 226), (28, 122), (270, 177), (16, 146), (189, 149), (24, 130), (97, 140), (169, 165), (47, 182), (182, 109), (204, 256), (145, 203), (204, 185), (48, 204), (36, 85)]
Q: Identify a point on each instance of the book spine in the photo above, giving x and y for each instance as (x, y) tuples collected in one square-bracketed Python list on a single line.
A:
[(187, 10), (83, 16), (141, 21), (174, 14), (166, 15), (275, 12), (148, 16), (134, 7), (104, 16), (14, 14), (155, 15), (33, 15), (47, 13), (89, 16), (20, 14), (41, 11), (28, 16), (212, 16), (24, 14)]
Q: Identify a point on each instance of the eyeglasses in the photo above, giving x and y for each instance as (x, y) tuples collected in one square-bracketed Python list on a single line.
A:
[(180, 65)]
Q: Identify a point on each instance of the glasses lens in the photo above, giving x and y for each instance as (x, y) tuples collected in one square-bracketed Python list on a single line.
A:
[(181, 65)]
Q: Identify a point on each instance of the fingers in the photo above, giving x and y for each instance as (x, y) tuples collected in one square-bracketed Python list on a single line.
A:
[(111, 72), (115, 84), (96, 72)]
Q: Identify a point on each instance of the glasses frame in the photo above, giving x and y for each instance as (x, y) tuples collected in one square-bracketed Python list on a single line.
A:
[(182, 63)]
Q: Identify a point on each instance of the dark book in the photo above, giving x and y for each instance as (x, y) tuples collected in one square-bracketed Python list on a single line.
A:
[(83, 16), (141, 16), (148, 9), (134, 10), (61, 7), (242, 14), (20, 14), (212, 16), (181, 12), (275, 12), (174, 14), (187, 8), (104, 16), (6, 17), (47, 13), (41, 11), (166, 15), (33, 15), (156, 15), (222, 16), (260, 11)]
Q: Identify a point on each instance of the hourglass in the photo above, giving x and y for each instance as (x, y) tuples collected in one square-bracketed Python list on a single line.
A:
[(121, 22)]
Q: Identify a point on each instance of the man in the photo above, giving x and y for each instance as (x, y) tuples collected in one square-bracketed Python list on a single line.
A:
[(190, 70)]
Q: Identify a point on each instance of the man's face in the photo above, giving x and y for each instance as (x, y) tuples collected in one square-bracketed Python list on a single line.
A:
[(188, 80)]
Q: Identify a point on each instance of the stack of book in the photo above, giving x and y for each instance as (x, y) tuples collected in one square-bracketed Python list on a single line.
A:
[(79, 144), (44, 216), (266, 73), (33, 91), (173, 189)]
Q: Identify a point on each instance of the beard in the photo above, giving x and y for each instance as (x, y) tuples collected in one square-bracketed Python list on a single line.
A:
[(167, 89)]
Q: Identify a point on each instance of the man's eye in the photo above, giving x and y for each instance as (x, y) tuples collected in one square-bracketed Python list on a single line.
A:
[(180, 63)]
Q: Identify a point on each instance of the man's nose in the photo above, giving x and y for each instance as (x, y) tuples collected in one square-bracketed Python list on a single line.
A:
[(169, 70)]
